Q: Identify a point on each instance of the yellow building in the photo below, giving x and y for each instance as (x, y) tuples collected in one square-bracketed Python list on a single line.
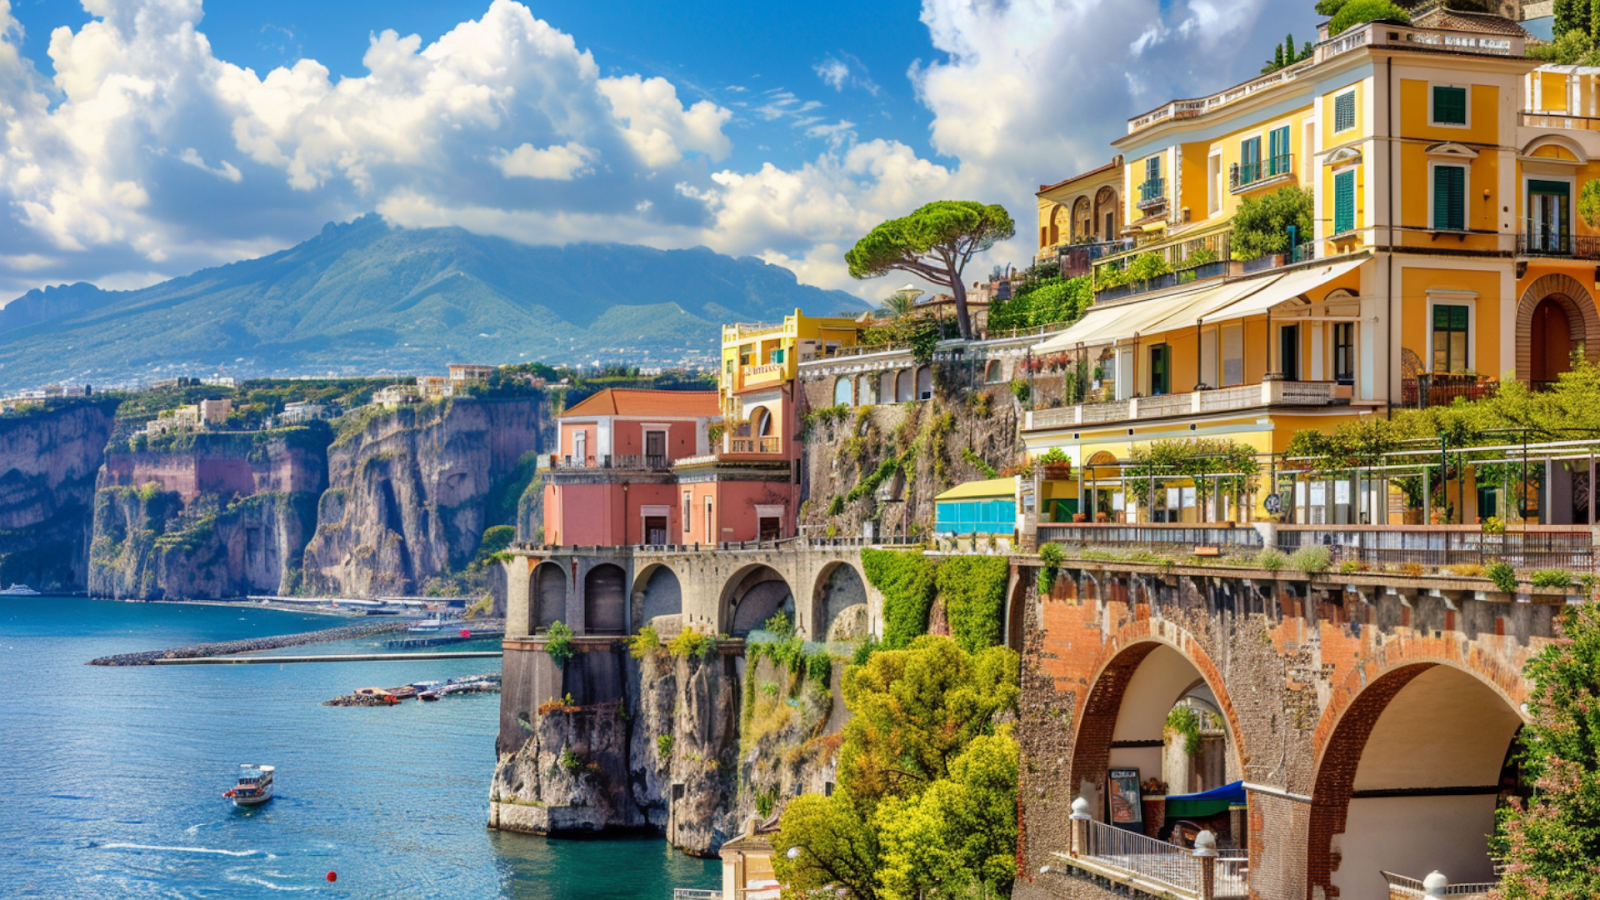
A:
[(1082, 210), (766, 357), (1443, 254)]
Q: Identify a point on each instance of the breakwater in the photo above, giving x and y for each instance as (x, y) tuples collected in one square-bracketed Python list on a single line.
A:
[(252, 645)]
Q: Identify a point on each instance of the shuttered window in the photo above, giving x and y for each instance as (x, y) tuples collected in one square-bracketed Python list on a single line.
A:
[(1278, 150), (1344, 111), (1450, 338), (1344, 202), (1449, 106), (1449, 198)]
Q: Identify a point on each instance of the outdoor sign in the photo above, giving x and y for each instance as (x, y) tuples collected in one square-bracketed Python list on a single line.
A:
[(1274, 503), (1122, 799)]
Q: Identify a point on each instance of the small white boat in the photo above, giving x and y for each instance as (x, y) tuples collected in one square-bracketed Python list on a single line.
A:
[(19, 590), (427, 626), (254, 787)]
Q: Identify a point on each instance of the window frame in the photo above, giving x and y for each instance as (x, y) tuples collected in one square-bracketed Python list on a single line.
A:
[(1355, 223), (1467, 299), (1354, 118), (1342, 354), (1433, 181), (1466, 104)]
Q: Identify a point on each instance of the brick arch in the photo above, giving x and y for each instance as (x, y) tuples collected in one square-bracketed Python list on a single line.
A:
[(1347, 722), (1581, 313), (1124, 652)]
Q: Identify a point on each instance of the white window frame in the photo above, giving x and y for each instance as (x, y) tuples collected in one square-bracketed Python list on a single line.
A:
[(1469, 299), (1525, 201), (1466, 189), (1355, 114), (1434, 122)]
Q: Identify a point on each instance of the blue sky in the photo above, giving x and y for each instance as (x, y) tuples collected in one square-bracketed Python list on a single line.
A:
[(151, 138)]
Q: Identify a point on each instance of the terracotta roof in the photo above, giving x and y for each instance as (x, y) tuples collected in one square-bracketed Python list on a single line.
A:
[(1116, 161), (1459, 20), (631, 402)]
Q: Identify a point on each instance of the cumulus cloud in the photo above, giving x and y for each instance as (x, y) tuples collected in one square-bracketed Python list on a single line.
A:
[(141, 152)]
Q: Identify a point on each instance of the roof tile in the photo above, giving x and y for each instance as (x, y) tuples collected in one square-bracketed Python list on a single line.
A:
[(638, 402)]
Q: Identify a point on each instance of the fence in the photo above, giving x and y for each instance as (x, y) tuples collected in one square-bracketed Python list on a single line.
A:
[(1161, 863), (695, 894), (1156, 538), (1403, 888), (1551, 547)]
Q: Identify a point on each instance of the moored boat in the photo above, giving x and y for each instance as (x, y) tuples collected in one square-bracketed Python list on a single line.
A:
[(254, 786), (19, 590)]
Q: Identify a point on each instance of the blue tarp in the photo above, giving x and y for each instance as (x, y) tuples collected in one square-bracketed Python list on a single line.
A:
[(1228, 793)]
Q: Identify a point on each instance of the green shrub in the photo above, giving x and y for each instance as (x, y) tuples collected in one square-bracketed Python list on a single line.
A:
[(1551, 578), (974, 592), (664, 745), (690, 642), (1184, 721), (765, 801), (1359, 12), (1494, 525), (646, 642), (906, 580), (864, 651), (559, 643), (1350, 567), (1021, 390), (1261, 226), (780, 625), (1312, 560), (1503, 576), (570, 761), (1271, 560), (1051, 555), (819, 667)]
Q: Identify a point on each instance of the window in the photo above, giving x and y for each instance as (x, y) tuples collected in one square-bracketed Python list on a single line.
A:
[(1449, 198), (1450, 338), (1549, 207), (841, 391), (1289, 352), (688, 511), (580, 447), (1344, 352), (655, 446), (1208, 358), (1152, 168), (1344, 111), (1214, 184), (777, 356), (1250, 160), (1449, 106), (1344, 202), (711, 536), (1279, 162), (1160, 370), (1232, 354)]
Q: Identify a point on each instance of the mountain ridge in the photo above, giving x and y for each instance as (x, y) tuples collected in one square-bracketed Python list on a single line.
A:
[(363, 297)]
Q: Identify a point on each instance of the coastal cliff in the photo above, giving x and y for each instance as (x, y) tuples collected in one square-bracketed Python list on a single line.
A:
[(207, 516), (411, 490), (686, 745), (48, 463)]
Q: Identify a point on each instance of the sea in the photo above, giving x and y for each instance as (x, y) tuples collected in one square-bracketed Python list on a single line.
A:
[(111, 778)]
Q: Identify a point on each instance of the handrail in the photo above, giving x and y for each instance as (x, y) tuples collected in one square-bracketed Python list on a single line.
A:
[(1403, 886)]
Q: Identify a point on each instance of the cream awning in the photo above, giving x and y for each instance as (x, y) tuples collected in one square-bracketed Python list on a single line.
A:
[(1146, 315), (1286, 288)]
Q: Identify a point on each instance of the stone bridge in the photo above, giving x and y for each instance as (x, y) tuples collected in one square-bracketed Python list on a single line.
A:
[(730, 590), (1370, 717)]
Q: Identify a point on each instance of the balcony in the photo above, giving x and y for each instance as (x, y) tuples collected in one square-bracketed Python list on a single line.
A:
[(612, 462), (1560, 120), (1221, 400), (1251, 175), (1427, 389), (1571, 246), (770, 445), (760, 376), (1157, 868), (1152, 193)]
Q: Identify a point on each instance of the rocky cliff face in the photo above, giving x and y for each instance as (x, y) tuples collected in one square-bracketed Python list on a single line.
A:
[(48, 461), (409, 493), (685, 746), (226, 516)]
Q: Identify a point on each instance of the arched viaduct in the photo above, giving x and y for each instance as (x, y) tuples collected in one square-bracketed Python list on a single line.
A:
[(1370, 717)]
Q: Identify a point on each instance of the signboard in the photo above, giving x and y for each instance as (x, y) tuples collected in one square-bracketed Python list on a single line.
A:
[(1123, 805), (1273, 503)]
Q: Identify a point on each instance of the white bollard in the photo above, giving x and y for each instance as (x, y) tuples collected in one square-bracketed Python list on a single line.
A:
[(1434, 885)]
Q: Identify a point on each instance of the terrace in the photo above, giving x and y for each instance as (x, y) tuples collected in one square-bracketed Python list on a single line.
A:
[(1266, 395)]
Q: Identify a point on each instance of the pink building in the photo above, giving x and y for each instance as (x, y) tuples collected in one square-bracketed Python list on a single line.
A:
[(612, 483)]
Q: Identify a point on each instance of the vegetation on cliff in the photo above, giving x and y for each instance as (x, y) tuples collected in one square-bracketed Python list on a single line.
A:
[(970, 590), (925, 804)]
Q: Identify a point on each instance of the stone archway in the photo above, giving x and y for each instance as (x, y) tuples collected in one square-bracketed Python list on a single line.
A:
[(548, 596), (839, 607), (658, 600), (1408, 779), (605, 600), (753, 595), (1578, 329)]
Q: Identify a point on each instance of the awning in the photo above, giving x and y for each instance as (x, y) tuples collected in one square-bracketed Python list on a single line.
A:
[(1205, 803), (981, 490), (1217, 298), (1286, 288), (1104, 324)]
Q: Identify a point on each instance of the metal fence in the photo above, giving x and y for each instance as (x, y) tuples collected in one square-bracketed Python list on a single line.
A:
[(1155, 538), (1165, 864), (1439, 546), (1404, 888), (695, 894)]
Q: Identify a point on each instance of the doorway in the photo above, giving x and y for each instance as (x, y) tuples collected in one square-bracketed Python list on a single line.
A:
[(1289, 352), (1551, 343)]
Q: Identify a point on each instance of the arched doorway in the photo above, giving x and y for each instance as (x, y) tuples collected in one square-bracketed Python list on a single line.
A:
[(1105, 213), (925, 383), (904, 386), (1017, 614), (752, 596), (658, 600), (1551, 342), (842, 395), (1082, 220), (1410, 780), (605, 600), (1127, 724), (839, 605), (866, 390), (548, 596), (1555, 318), (760, 422)]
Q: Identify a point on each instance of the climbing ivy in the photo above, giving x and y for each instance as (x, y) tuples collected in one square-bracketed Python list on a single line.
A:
[(906, 580), (973, 589), (560, 645)]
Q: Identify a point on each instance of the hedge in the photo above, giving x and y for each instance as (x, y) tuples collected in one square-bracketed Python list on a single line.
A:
[(974, 592), (906, 579)]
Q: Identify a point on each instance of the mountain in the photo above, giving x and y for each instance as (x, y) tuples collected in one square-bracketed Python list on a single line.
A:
[(365, 298)]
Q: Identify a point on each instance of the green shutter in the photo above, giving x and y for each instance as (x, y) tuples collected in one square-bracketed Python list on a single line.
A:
[(1559, 188), (1344, 202), (1449, 198), (1278, 146), (1449, 106), (1344, 111)]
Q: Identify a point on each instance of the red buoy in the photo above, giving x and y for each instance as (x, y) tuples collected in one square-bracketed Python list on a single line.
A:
[(333, 876)]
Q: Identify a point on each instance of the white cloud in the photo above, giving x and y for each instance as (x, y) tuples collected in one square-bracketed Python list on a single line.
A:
[(845, 70), (834, 73), (563, 162)]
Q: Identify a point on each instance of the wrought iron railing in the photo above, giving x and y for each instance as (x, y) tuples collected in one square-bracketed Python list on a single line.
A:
[(1435, 547), (1154, 537), (1444, 388), (1245, 174), (1576, 246), (1159, 863), (1152, 191), (613, 461)]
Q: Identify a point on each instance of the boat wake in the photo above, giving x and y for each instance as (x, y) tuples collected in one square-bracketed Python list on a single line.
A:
[(159, 849)]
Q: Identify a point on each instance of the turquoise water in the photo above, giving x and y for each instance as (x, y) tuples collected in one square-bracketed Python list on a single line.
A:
[(110, 778)]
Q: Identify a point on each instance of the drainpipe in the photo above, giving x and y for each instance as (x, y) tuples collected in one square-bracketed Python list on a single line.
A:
[(1388, 317)]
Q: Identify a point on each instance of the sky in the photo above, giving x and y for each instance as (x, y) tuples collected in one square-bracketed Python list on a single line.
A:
[(146, 139)]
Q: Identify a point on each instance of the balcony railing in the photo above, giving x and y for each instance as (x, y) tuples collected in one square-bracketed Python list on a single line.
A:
[(1160, 282), (1152, 192), (1435, 546), (1564, 121), (1249, 396), (1176, 540), (1079, 259), (1245, 175), (755, 445), (1160, 863), (1443, 388), (1575, 246), (1403, 888), (613, 461)]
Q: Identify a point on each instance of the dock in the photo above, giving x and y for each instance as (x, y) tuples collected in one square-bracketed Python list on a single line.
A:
[(442, 640), (330, 658)]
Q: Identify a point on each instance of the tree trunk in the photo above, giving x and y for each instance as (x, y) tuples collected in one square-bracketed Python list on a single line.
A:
[(958, 290)]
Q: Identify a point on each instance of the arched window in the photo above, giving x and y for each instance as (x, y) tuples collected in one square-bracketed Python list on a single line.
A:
[(761, 420), (993, 372), (925, 383), (866, 395), (842, 392)]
